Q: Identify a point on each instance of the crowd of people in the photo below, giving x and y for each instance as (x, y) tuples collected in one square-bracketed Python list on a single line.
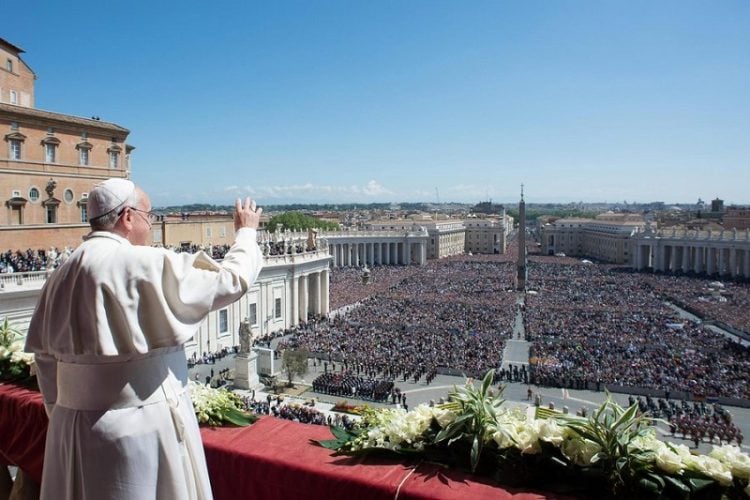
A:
[(348, 286), (347, 384), (723, 301), (591, 326), (454, 314), (25, 261), (303, 413)]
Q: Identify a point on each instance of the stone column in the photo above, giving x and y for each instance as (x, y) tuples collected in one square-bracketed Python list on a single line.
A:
[(423, 253), (295, 300), (747, 264), (304, 305), (314, 287), (711, 260), (325, 307), (371, 253), (685, 259), (407, 252), (698, 260), (387, 253), (733, 262), (722, 261), (638, 258)]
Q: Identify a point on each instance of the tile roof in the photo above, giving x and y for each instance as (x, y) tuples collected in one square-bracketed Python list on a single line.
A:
[(59, 117)]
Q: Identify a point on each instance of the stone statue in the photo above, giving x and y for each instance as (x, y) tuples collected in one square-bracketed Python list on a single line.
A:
[(312, 239), (245, 336), (51, 185)]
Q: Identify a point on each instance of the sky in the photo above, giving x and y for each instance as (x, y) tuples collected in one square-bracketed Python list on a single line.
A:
[(390, 101)]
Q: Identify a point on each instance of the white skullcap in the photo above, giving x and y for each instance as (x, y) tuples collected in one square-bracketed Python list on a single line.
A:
[(110, 195)]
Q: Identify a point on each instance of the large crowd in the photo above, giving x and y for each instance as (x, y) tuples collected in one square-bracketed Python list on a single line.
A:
[(590, 325), (453, 314), (25, 261)]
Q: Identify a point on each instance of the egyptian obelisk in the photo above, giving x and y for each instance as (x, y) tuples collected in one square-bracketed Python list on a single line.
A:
[(522, 271)]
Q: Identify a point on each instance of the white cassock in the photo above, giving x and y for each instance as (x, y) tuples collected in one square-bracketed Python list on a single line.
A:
[(108, 336)]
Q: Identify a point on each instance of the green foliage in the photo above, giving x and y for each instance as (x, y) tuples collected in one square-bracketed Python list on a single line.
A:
[(297, 221), (294, 363), (614, 429), (477, 409), (8, 333)]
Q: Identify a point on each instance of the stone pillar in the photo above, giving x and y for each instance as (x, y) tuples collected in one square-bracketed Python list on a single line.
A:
[(407, 247), (371, 254), (722, 261), (246, 371), (659, 258), (313, 290), (698, 260), (303, 305), (746, 272), (711, 260), (685, 259), (733, 262), (295, 301), (423, 253), (387, 260), (325, 307), (637, 255)]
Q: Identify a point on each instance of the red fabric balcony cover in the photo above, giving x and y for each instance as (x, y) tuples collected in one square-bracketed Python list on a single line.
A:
[(273, 459)]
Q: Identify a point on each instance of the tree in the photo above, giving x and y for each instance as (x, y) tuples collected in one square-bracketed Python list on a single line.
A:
[(297, 221), (295, 363)]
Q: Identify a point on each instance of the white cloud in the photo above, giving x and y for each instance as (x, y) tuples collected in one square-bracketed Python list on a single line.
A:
[(372, 191)]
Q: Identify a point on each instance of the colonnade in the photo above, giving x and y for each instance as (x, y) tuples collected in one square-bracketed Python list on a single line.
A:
[(377, 253), (722, 254), (310, 295)]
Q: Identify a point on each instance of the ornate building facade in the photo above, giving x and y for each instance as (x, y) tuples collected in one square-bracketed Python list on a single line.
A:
[(713, 253), (605, 238), (49, 162)]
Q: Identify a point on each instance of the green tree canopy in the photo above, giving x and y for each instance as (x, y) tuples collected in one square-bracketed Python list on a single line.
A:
[(295, 363), (297, 221)]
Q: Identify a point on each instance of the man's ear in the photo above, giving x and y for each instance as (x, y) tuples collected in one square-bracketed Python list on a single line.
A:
[(126, 221)]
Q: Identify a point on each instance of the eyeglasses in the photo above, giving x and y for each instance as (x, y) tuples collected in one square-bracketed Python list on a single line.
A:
[(150, 217)]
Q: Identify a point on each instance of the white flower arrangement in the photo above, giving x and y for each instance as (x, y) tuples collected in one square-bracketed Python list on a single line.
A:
[(618, 446), (217, 407), (14, 363)]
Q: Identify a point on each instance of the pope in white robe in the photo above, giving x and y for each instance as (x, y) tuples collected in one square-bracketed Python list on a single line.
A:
[(108, 336)]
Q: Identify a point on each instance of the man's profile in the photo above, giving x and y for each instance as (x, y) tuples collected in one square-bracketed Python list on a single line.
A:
[(108, 335)]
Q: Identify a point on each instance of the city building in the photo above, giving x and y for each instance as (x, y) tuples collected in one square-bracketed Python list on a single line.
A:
[(446, 237), (487, 235), (49, 162), (713, 253), (403, 246), (605, 238), (737, 218)]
